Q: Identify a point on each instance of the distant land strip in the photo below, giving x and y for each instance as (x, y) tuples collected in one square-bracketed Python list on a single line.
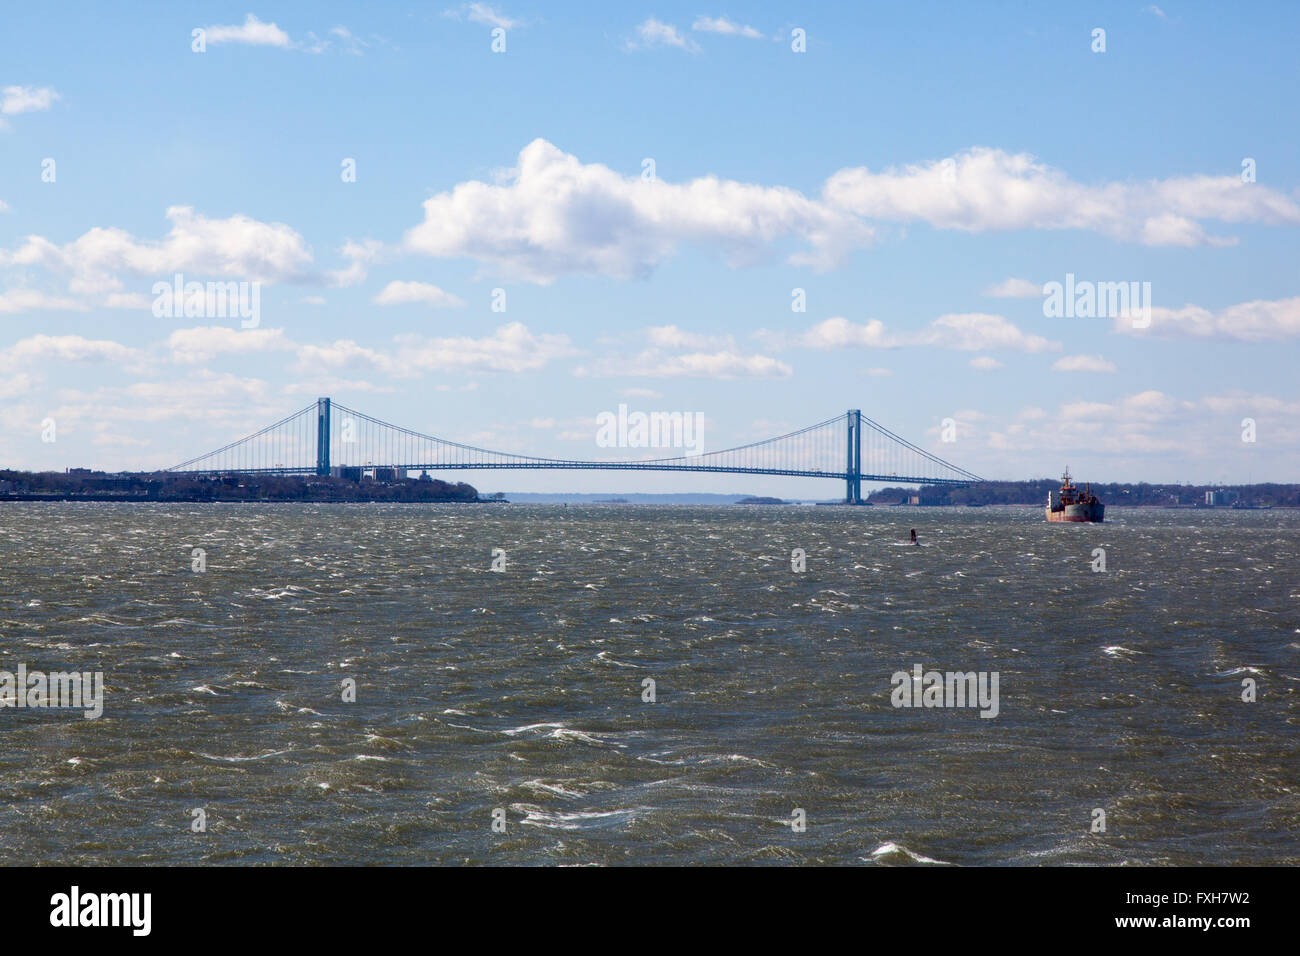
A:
[(79, 484), (84, 485)]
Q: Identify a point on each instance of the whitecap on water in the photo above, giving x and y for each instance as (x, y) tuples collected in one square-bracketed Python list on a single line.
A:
[(557, 731), (897, 853), (241, 759), (604, 658), (588, 820), (541, 786)]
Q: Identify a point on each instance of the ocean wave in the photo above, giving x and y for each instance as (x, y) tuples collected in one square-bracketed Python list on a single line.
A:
[(535, 816), (237, 758), (896, 854)]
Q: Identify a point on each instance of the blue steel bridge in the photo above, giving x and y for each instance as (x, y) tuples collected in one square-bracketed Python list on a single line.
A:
[(326, 436)]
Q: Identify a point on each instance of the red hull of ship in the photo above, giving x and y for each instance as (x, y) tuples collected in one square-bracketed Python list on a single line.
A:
[(1092, 516)]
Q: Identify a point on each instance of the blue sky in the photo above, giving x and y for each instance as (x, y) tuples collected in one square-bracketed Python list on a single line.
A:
[(901, 170)]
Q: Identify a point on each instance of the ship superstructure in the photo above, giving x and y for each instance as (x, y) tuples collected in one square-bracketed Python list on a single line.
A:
[(1071, 504)]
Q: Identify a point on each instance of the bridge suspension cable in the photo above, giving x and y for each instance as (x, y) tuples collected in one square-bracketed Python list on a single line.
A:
[(327, 436)]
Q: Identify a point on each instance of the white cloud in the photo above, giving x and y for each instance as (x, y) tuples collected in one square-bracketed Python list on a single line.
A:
[(1083, 363), (255, 32), (181, 396), (1148, 406), (252, 32), (724, 26), (671, 337), (1152, 427), (1014, 289), (511, 348), (205, 410), (66, 348), (964, 422), (553, 215), (721, 365), (985, 363), (135, 300), (236, 247), (362, 255), (1258, 321), (26, 99), (4, 206), (402, 293), (107, 438), (967, 331), (30, 300), (978, 331), (652, 33), (985, 189), (838, 332), (1168, 229), (350, 43), (314, 44), (328, 385), (204, 342), (16, 385), (701, 356), (344, 354), (485, 14)]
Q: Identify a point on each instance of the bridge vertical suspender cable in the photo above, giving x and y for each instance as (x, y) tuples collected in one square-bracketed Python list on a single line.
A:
[(328, 438)]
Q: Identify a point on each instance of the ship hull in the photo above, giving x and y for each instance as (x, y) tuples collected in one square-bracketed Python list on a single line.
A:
[(1082, 513)]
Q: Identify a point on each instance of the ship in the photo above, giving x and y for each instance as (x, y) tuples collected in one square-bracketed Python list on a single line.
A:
[(1073, 504)]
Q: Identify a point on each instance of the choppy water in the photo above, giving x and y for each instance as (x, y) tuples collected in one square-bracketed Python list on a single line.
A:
[(522, 691)]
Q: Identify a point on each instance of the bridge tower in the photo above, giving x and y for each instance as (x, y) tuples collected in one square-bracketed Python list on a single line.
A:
[(853, 466), (323, 437)]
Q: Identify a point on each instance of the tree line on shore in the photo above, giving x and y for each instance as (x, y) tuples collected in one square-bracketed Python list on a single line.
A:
[(1111, 493), (163, 486)]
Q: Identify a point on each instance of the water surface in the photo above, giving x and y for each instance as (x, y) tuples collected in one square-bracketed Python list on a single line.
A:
[(522, 691)]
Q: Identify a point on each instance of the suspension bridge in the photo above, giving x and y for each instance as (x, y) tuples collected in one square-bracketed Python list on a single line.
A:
[(327, 438)]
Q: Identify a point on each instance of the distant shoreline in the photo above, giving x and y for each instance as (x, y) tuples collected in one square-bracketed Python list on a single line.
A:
[(388, 484), (96, 487), (142, 500)]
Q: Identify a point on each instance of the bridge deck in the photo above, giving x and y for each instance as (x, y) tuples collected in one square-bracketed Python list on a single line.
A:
[(604, 466), (320, 437)]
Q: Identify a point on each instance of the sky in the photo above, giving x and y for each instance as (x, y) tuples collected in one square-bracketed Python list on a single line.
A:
[(494, 223)]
